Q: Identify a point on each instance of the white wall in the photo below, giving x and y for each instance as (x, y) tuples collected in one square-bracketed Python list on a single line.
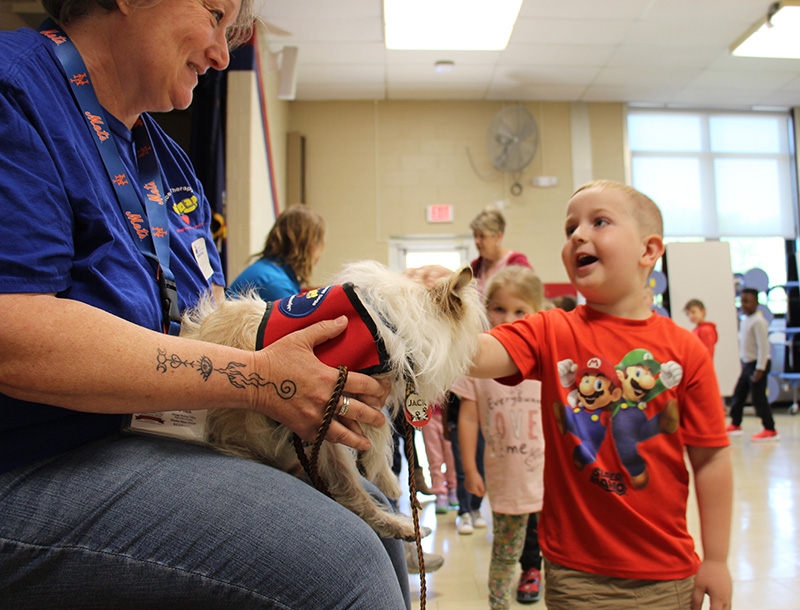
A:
[(702, 271)]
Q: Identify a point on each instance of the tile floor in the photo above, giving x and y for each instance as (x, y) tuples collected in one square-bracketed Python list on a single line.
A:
[(765, 540)]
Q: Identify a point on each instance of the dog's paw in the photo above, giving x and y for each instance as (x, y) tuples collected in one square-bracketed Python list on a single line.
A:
[(389, 485), (403, 528)]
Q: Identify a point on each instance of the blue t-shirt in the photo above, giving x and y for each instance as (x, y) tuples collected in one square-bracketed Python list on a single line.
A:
[(63, 231), (271, 279)]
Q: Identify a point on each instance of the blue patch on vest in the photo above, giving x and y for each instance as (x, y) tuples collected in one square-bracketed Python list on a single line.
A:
[(302, 305)]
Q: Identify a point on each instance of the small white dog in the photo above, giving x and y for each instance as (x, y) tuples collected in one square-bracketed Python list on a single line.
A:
[(426, 339)]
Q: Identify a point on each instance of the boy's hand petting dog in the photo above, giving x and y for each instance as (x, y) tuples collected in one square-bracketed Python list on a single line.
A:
[(291, 363), (428, 274)]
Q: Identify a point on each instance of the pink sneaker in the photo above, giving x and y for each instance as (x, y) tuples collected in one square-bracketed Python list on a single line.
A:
[(734, 430), (765, 436)]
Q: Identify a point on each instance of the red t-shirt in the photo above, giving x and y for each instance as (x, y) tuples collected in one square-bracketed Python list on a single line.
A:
[(595, 518), (707, 333)]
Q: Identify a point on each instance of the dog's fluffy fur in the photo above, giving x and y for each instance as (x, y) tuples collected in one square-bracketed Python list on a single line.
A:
[(430, 336)]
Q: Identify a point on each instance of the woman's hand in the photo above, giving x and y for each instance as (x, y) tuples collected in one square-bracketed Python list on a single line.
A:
[(299, 387)]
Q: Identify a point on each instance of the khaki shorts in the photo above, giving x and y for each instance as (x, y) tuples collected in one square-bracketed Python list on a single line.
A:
[(567, 589)]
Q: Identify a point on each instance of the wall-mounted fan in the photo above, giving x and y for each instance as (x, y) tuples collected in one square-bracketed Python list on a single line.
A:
[(513, 140)]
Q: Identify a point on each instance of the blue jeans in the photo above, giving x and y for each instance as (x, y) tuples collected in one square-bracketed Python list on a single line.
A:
[(143, 522), (467, 503)]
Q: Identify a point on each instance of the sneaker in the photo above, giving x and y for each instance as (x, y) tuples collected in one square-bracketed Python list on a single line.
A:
[(528, 588), (478, 521), (432, 562), (464, 524), (453, 498), (442, 504), (734, 430), (766, 436)]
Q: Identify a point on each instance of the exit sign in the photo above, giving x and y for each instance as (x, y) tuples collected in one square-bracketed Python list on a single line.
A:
[(440, 213)]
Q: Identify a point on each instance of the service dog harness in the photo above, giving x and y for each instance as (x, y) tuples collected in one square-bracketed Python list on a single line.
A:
[(360, 347)]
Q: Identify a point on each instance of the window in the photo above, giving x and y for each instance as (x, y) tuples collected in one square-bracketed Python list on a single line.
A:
[(715, 174), (451, 251), (721, 175)]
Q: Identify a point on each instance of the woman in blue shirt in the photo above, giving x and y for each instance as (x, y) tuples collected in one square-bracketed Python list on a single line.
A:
[(88, 514), (293, 247)]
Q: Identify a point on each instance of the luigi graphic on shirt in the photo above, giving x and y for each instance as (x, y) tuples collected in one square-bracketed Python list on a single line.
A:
[(642, 378)]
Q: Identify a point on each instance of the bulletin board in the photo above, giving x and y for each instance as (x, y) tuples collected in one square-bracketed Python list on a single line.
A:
[(702, 270)]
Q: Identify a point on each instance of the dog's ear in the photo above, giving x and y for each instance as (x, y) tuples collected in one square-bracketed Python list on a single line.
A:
[(460, 279)]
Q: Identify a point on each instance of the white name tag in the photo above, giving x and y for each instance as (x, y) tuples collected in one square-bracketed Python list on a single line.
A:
[(185, 425), (201, 256)]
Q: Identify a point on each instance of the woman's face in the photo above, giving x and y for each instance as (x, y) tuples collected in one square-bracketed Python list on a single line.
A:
[(177, 40), (488, 244)]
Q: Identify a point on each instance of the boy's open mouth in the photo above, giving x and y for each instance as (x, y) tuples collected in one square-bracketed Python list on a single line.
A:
[(586, 259)]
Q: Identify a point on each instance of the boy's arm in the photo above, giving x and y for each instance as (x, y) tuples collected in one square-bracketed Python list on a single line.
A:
[(713, 481), (760, 331), (492, 360), (468, 427)]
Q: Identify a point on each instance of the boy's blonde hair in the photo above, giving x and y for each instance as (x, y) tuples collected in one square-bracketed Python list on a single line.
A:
[(643, 209), (522, 281), (489, 220)]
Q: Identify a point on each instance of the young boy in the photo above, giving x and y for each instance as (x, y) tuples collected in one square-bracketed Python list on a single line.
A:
[(695, 310), (613, 525)]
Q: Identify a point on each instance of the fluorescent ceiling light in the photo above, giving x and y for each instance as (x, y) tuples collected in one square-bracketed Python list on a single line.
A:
[(449, 25), (777, 35)]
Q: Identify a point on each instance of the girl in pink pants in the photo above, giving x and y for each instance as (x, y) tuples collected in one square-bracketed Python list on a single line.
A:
[(439, 453)]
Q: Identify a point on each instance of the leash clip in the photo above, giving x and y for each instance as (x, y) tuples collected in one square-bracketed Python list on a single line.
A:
[(169, 299)]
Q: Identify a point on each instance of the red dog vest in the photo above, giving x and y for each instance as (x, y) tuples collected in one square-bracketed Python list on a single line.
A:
[(360, 347)]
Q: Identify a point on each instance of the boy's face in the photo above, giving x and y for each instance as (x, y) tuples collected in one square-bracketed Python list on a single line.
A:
[(606, 255), (749, 303), (696, 315), (506, 306)]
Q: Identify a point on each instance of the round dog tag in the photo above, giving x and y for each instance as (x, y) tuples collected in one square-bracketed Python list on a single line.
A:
[(417, 412)]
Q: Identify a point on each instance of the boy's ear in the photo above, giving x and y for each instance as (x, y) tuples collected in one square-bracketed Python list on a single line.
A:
[(653, 250)]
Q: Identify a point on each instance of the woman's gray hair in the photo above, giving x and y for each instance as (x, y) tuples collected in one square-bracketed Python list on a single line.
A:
[(64, 11), (490, 220)]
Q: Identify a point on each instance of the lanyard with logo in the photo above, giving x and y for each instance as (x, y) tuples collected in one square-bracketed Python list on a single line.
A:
[(148, 225)]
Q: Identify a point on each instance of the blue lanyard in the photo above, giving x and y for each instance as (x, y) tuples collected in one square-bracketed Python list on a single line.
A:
[(147, 225)]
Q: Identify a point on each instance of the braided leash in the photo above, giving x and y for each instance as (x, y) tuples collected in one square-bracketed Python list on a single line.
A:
[(311, 466), (415, 506)]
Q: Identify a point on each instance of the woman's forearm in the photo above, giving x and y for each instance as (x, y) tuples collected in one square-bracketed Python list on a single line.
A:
[(68, 354)]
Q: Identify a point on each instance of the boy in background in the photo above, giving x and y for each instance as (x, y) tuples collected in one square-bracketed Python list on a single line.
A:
[(608, 542), (706, 331), (754, 355)]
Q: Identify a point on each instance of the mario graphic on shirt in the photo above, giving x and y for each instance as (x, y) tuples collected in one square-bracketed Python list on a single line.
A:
[(642, 378), (596, 389)]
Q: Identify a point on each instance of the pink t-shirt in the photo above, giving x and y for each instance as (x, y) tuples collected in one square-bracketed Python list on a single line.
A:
[(511, 421)]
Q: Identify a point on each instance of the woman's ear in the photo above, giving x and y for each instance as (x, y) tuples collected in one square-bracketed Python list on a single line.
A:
[(124, 7), (653, 250)]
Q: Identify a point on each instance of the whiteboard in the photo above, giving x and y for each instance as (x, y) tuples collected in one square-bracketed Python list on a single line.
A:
[(702, 270)]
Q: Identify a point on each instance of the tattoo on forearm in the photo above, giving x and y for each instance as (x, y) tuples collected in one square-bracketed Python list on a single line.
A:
[(232, 371)]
